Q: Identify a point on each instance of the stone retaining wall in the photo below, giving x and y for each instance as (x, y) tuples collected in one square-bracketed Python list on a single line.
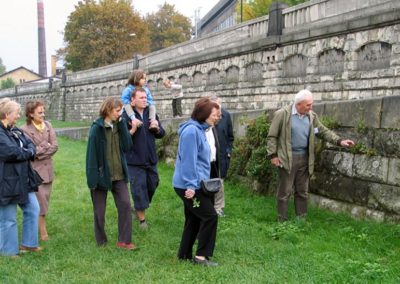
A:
[(364, 181)]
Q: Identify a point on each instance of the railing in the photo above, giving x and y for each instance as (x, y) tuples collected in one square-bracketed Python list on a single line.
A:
[(250, 29), (33, 88), (121, 68), (7, 92), (316, 10), (304, 13)]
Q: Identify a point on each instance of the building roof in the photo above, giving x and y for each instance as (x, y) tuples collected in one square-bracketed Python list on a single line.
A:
[(21, 67)]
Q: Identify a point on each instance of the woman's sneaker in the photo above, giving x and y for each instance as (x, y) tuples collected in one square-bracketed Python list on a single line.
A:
[(127, 246)]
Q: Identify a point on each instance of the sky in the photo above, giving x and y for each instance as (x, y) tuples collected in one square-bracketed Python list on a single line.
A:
[(18, 26)]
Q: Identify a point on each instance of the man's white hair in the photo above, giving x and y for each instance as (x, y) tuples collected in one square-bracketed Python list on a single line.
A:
[(302, 95)]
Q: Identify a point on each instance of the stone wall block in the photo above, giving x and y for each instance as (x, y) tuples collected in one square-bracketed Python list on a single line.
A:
[(396, 48), (386, 72), (394, 172), (335, 162), (390, 113), (328, 204), (351, 113), (378, 216), (319, 109), (369, 74), (340, 188), (365, 138), (387, 142), (384, 197), (373, 168)]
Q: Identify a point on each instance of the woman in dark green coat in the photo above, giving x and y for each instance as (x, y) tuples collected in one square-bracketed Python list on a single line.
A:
[(106, 170)]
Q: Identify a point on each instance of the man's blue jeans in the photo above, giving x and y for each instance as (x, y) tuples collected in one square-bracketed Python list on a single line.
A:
[(9, 228)]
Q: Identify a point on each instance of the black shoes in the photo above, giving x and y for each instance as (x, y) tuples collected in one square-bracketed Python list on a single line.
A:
[(204, 262)]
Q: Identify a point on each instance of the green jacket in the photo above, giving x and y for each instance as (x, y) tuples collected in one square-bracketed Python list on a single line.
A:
[(280, 140), (97, 169)]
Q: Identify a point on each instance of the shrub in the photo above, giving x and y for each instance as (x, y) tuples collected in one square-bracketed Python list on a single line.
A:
[(168, 145), (250, 158)]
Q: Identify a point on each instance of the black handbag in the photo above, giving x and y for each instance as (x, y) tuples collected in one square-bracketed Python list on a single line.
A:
[(211, 186), (34, 178)]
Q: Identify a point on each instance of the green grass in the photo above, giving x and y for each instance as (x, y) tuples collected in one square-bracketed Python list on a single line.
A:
[(251, 246), (65, 124)]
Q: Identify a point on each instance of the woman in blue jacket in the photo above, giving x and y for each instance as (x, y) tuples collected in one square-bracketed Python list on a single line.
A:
[(193, 166), (16, 152)]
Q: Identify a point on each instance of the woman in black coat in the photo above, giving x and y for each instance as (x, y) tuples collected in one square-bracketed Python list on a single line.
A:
[(16, 152)]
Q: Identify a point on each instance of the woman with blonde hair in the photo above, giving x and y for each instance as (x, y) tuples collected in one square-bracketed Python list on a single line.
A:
[(16, 151), (43, 136)]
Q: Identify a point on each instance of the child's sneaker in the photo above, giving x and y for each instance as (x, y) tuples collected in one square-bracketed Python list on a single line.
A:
[(154, 127), (143, 225)]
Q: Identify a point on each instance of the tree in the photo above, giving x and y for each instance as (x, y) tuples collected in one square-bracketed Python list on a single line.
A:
[(168, 27), (2, 67), (257, 8), (103, 33), (7, 83)]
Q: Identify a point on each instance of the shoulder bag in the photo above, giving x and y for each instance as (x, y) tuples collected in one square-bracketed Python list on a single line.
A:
[(211, 186)]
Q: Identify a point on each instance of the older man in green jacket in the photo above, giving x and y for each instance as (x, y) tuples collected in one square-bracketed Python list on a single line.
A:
[(291, 149)]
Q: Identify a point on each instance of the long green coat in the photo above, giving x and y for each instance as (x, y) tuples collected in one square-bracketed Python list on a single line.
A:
[(97, 169), (280, 137)]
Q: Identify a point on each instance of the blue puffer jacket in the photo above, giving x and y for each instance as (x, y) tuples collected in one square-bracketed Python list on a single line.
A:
[(16, 151), (193, 158)]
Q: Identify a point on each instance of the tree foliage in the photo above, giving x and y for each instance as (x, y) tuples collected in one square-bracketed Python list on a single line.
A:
[(103, 33), (168, 27), (7, 83), (2, 67), (257, 8)]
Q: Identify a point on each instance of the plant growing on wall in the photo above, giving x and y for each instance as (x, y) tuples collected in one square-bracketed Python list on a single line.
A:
[(329, 122), (168, 145)]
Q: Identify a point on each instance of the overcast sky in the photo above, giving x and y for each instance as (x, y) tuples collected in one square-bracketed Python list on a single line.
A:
[(18, 26)]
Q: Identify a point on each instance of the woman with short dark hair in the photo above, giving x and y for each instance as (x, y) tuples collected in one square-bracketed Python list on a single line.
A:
[(43, 136), (193, 166)]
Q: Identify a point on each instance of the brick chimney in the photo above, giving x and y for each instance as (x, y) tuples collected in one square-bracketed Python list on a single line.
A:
[(41, 40)]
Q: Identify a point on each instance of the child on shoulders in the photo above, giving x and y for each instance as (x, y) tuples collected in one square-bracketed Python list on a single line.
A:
[(137, 79)]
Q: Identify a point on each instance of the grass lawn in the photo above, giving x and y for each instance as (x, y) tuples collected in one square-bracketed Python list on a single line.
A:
[(251, 246), (65, 124)]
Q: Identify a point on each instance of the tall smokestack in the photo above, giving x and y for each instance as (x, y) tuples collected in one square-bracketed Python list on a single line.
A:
[(41, 40)]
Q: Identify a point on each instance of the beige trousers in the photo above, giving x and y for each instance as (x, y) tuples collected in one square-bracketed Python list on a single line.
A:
[(43, 197)]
